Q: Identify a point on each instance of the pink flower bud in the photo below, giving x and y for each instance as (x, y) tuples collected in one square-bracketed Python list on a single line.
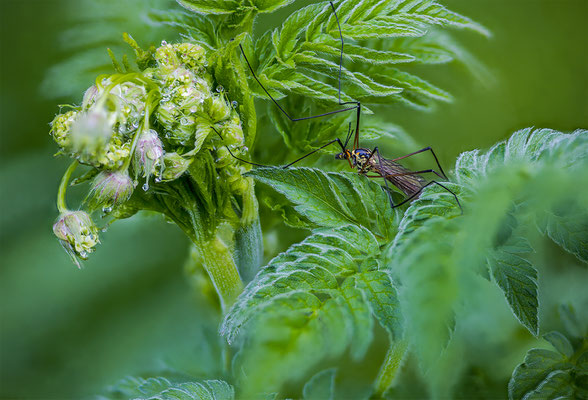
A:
[(148, 154), (110, 189)]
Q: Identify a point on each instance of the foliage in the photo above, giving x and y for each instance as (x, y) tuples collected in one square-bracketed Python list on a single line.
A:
[(430, 262), (312, 310)]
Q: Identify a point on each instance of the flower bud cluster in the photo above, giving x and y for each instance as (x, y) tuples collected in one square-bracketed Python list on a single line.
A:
[(153, 123)]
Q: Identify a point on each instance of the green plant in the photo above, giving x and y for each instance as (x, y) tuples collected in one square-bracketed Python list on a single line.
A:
[(307, 319)]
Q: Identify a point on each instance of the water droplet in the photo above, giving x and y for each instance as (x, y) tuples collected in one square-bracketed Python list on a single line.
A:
[(163, 43), (219, 89), (234, 104), (157, 179), (106, 209), (104, 229), (146, 186), (83, 254)]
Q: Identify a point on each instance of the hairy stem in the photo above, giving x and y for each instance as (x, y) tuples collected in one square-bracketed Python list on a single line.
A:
[(390, 368), (218, 262)]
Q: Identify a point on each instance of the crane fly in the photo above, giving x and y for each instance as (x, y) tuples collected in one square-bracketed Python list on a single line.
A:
[(366, 161)]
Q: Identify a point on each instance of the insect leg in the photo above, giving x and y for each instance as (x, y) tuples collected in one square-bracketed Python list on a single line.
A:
[(234, 156), (337, 140), (356, 104), (428, 148), (377, 151), (428, 184)]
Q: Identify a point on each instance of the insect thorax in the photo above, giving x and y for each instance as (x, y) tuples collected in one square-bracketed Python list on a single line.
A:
[(361, 158)]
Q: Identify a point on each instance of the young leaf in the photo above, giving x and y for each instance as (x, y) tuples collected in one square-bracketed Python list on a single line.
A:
[(568, 227), (268, 6), (518, 280), (210, 6), (315, 264), (332, 199), (546, 374), (162, 388), (321, 386), (311, 304)]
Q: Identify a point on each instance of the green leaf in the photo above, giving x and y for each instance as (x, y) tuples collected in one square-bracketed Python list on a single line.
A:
[(517, 278), (362, 317), (357, 53), (560, 342), (321, 386), (332, 199), (544, 374), (557, 385), (567, 225), (268, 6), (162, 388), (309, 305), (381, 27), (412, 83), (315, 264), (285, 39), (198, 28), (382, 297), (428, 275), (210, 6)]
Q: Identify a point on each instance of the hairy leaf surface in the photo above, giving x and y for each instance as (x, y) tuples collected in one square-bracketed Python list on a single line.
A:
[(333, 199), (164, 389)]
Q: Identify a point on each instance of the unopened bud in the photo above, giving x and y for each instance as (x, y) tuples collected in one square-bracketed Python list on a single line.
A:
[(110, 189), (219, 109), (60, 128), (77, 234), (148, 153), (191, 55), (174, 166), (166, 57), (91, 132), (90, 96)]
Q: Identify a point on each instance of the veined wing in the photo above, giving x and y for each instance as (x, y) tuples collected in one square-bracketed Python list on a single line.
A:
[(401, 177)]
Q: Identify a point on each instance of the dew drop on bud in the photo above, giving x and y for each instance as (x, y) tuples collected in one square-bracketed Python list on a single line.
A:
[(163, 43), (106, 209), (219, 88), (146, 186), (234, 104)]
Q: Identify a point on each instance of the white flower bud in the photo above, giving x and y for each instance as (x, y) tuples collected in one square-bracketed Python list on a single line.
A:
[(91, 132), (77, 234)]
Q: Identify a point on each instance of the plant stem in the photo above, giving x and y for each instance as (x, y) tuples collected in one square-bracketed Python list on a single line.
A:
[(61, 204), (217, 259), (392, 363), (218, 262)]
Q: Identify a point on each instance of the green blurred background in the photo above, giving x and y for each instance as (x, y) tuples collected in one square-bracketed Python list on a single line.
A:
[(67, 333)]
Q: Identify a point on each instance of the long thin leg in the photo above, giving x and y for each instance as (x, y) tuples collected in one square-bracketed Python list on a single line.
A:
[(377, 151), (234, 156), (424, 171), (356, 104), (337, 140), (423, 150), (314, 151), (428, 184)]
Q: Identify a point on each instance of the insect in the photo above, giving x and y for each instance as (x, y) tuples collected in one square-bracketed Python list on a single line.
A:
[(368, 162)]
